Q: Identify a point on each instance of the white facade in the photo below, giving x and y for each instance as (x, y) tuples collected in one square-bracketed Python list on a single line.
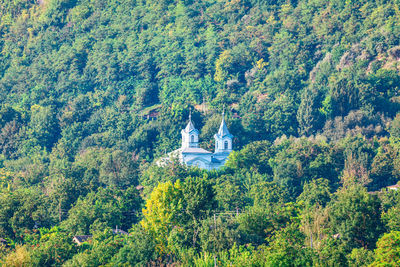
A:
[(190, 135), (192, 155), (223, 139)]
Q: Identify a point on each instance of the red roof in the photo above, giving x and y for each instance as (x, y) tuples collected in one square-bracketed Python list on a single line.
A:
[(394, 187)]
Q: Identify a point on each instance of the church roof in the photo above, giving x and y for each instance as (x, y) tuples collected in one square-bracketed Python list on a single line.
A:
[(199, 158), (197, 150), (190, 126), (214, 160), (223, 129)]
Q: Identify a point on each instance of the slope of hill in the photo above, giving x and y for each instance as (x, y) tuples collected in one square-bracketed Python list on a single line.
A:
[(78, 77), (313, 60)]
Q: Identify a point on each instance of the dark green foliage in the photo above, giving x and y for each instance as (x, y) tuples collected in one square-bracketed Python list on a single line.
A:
[(138, 250), (259, 223), (391, 208), (230, 193), (253, 157), (286, 248), (104, 208), (100, 250), (355, 217), (360, 257), (298, 161), (53, 248), (43, 127), (268, 193), (395, 127), (199, 197), (199, 203), (218, 234), (332, 253), (315, 193), (22, 211), (92, 92)]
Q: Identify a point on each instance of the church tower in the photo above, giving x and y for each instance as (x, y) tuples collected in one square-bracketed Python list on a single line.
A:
[(190, 135), (223, 139)]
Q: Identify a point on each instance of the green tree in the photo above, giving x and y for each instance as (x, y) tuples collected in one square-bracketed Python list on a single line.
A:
[(218, 233), (395, 127), (308, 115), (100, 250), (199, 202), (108, 207), (253, 157), (54, 248), (360, 257), (23, 210), (387, 252), (315, 193), (163, 212), (286, 249), (138, 250), (43, 126), (355, 217)]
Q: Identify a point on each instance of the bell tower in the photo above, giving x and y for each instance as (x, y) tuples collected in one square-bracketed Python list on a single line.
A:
[(223, 139), (190, 135)]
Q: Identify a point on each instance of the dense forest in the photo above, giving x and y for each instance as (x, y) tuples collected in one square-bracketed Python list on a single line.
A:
[(92, 92)]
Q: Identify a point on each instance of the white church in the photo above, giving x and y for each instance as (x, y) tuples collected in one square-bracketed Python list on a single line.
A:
[(192, 155)]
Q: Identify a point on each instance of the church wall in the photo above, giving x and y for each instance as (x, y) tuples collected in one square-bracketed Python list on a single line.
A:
[(221, 144), (188, 157), (201, 165), (190, 138)]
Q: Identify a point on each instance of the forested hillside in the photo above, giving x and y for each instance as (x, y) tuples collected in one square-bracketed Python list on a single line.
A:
[(92, 91)]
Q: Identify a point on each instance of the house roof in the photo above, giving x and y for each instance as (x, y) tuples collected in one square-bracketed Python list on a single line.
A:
[(195, 150), (336, 236), (81, 238), (119, 231), (139, 187), (393, 187)]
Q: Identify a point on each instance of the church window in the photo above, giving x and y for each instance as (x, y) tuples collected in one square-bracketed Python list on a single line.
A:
[(192, 138), (226, 145)]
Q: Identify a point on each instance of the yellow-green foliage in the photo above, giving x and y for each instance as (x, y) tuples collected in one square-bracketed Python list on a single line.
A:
[(222, 64), (5, 179), (162, 212), (20, 257), (387, 252)]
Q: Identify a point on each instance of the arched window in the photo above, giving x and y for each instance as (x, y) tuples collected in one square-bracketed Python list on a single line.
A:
[(192, 138), (226, 145)]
